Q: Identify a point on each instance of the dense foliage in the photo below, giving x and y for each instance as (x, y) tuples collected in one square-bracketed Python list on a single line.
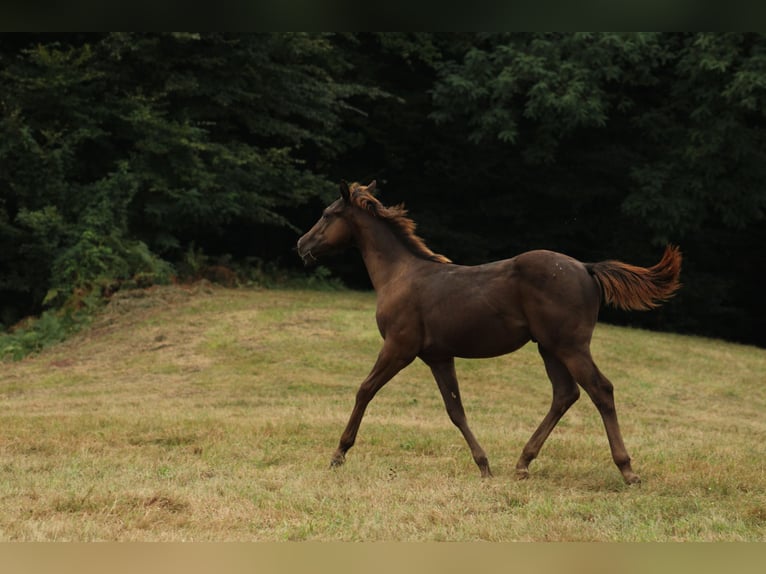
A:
[(128, 159)]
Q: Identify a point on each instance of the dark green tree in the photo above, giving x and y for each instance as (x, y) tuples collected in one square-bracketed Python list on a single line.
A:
[(121, 150), (123, 153), (618, 143)]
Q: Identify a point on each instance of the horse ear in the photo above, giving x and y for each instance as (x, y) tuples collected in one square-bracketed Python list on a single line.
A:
[(345, 193), (371, 186)]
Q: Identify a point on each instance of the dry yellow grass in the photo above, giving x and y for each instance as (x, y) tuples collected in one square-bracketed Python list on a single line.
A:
[(211, 414)]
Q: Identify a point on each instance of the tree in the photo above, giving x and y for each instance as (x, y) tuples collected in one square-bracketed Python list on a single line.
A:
[(683, 113), (124, 152), (628, 141), (122, 149)]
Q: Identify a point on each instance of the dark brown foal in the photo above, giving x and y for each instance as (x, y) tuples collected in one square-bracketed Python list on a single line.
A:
[(429, 308)]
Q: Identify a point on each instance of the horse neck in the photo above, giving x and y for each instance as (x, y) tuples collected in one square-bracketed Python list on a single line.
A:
[(385, 254)]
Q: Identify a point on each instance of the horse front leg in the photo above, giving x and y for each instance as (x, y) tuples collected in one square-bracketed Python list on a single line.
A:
[(388, 364), (446, 379)]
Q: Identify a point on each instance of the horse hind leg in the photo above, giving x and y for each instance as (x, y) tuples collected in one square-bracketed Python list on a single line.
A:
[(446, 379), (601, 392), (565, 394)]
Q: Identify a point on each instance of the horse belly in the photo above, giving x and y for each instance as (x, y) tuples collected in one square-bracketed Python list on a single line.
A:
[(473, 312), (475, 339)]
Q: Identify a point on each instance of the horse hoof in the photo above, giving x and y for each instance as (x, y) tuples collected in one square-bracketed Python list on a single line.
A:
[(633, 479), (522, 474), (337, 461)]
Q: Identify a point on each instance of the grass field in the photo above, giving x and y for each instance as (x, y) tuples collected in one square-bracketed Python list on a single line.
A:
[(211, 414)]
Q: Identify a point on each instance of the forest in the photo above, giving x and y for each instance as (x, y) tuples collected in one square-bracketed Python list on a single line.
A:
[(133, 159)]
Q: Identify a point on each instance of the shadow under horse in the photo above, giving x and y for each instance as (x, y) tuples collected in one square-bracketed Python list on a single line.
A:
[(430, 308)]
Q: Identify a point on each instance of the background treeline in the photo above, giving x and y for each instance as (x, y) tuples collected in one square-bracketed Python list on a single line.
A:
[(130, 159)]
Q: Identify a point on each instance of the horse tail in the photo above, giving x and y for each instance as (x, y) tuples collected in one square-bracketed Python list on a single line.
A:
[(638, 288)]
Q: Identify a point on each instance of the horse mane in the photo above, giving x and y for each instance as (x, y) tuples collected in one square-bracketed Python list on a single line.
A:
[(396, 217)]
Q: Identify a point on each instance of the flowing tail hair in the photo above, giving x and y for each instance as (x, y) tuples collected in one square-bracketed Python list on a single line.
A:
[(638, 288)]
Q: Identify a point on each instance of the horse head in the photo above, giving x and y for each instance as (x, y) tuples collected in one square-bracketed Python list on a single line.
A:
[(333, 231)]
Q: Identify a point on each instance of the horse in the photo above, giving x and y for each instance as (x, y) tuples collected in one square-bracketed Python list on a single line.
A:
[(435, 310)]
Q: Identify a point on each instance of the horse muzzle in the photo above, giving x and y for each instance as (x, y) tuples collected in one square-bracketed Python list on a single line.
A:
[(305, 253)]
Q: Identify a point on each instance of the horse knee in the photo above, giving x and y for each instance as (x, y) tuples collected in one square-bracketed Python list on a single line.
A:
[(366, 392), (571, 397), (598, 387), (457, 416), (602, 395), (562, 400)]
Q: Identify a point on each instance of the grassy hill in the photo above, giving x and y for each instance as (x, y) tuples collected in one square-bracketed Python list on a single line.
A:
[(211, 414)]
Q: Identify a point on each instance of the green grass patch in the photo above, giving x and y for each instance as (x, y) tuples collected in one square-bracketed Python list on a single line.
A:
[(211, 414)]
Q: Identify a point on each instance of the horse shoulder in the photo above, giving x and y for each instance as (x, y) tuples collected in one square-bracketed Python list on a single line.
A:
[(396, 311)]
